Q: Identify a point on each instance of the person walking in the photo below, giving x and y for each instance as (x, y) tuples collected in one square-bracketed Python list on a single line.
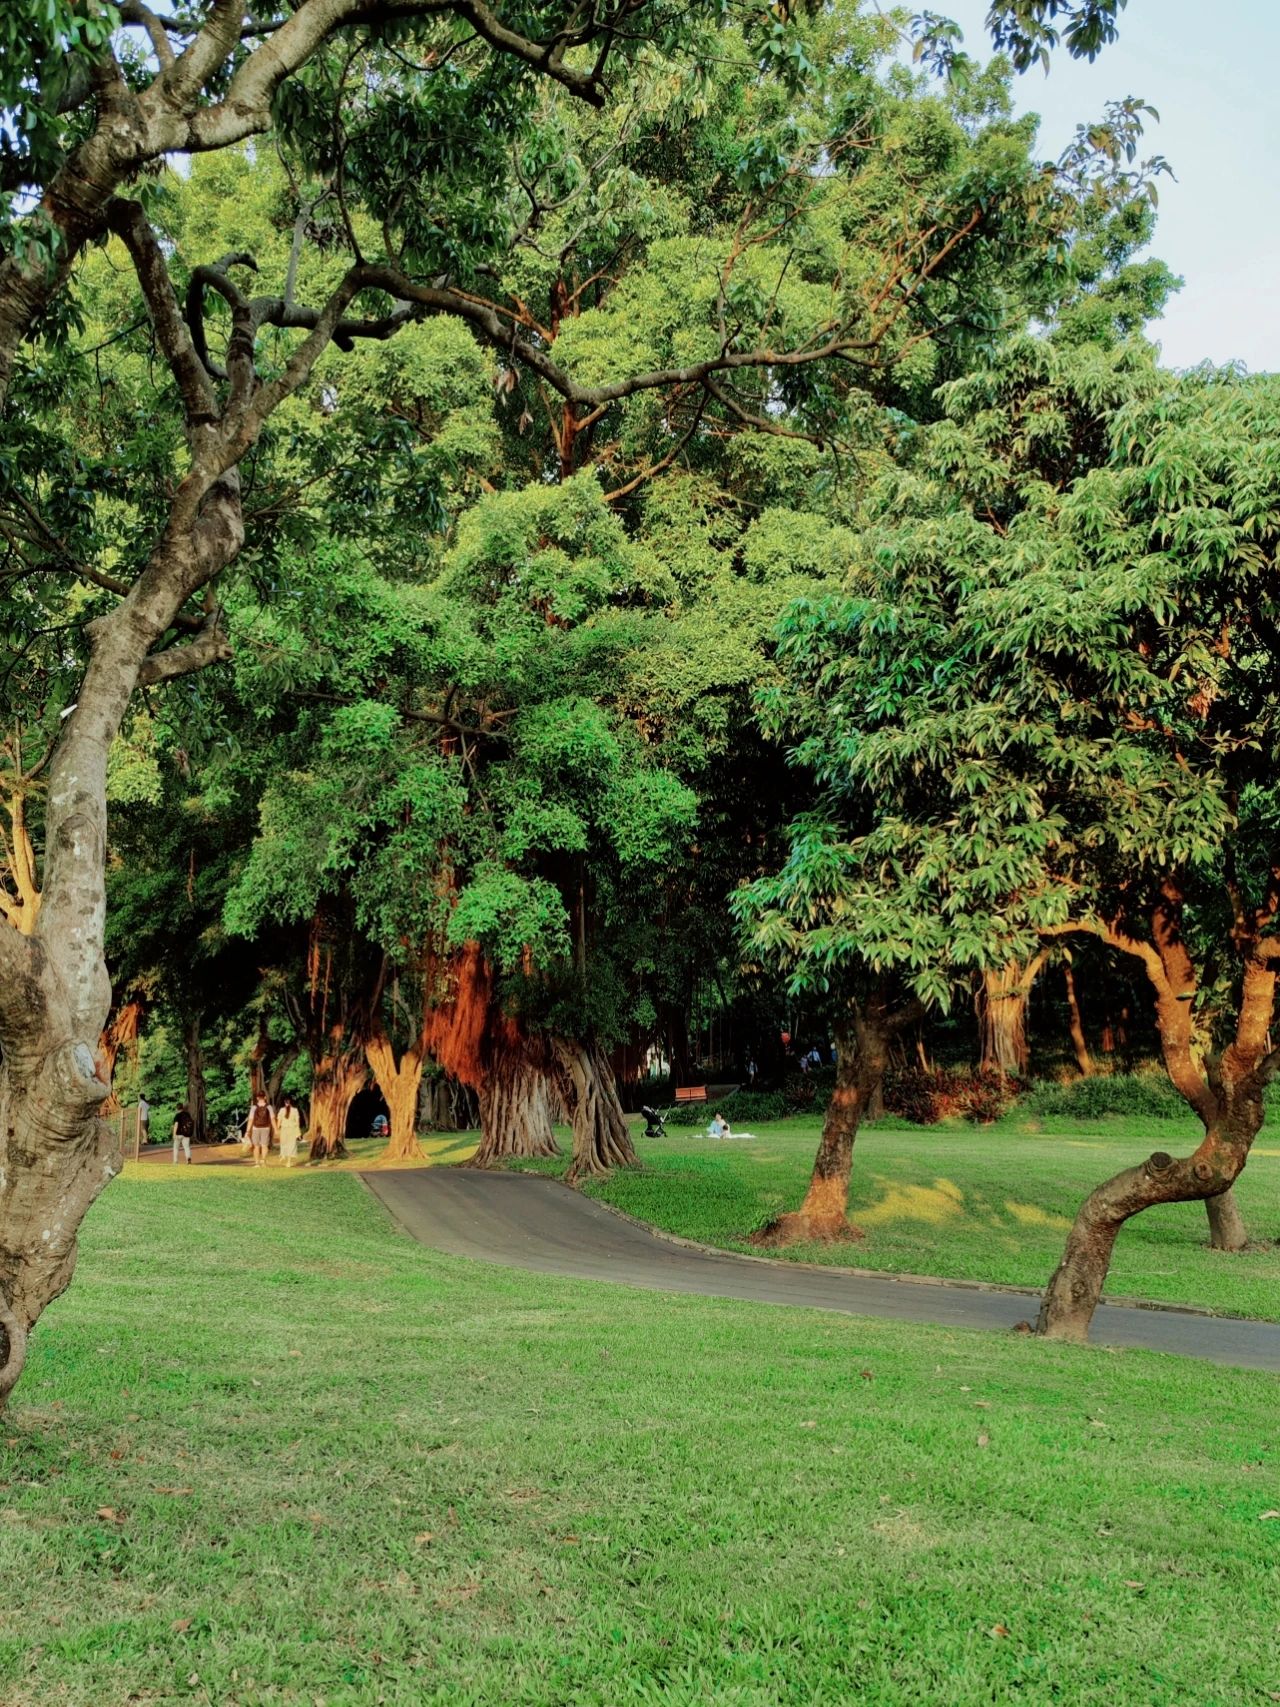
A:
[(259, 1128), (289, 1130), (144, 1120), (183, 1128)]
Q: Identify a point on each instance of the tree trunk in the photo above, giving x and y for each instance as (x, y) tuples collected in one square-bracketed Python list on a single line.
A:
[(399, 1082), (515, 1104), (335, 1081), (1227, 1231), (1076, 1027), (1001, 1003), (445, 1104), (1076, 1287), (197, 1099), (862, 1053), (601, 1139)]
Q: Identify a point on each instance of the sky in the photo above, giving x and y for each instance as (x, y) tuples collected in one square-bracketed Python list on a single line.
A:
[(1213, 73)]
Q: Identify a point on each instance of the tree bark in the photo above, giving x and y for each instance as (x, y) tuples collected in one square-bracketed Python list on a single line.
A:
[(197, 1098), (1001, 1003), (1227, 1231), (445, 1104), (1074, 1023), (515, 1104), (399, 1082), (1229, 1101), (862, 1053), (336, 1078), (601, 1139)]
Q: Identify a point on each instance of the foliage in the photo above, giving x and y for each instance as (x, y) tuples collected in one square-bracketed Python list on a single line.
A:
[(1102, 1096)]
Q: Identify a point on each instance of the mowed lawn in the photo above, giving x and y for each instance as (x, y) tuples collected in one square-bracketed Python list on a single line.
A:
[(974, 1203), (269, 1450)]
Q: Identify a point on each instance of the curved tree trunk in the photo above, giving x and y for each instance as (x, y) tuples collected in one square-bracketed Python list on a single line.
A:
[(515, 1105), (862, 1053), (601, 1139)]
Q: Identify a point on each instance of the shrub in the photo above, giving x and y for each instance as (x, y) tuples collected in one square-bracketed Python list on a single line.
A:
[(926, 1096), (1145, 1095)]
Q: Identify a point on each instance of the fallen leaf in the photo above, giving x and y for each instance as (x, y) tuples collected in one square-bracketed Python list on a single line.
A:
[(984, 1439), (1022, 1328), (982, 1404), (809, 1425), (193, 1679), (175, 1490), (117, 1454), (109, 1514), (425, 1539), (868, 1374), (180, 1624), (570, 1541), (999, 1631), (1129, 1583), (1267, 1515)]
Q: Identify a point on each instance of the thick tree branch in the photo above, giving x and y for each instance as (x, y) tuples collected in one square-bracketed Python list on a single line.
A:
[(130, 223), (211, 646)]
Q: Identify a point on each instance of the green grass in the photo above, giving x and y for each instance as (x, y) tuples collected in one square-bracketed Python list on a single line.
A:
[(268, 1450), (975, 1203)]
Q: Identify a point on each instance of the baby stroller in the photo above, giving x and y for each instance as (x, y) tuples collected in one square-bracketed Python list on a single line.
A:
[(655, 1122)]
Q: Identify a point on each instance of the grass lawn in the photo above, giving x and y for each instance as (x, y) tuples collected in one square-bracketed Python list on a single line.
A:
[(269, 1450), (977, 1203)]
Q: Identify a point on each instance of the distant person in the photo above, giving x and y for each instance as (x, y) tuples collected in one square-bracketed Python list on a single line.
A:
[(752, 1070), (719, 1127), (144, 1120), (259, 1128), (183, 1131), (288, 1130)]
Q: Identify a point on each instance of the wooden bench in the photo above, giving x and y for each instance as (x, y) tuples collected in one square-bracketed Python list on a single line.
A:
[(691, 1093)]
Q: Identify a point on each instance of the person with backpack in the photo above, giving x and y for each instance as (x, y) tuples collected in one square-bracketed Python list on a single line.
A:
[(183, 1131), (259, 1128)]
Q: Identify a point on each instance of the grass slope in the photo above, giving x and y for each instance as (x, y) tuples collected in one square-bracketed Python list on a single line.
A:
[(268, 1450), (977, 1203)]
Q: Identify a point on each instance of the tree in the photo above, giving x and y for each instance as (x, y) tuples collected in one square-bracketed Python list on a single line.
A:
[(396, 122)]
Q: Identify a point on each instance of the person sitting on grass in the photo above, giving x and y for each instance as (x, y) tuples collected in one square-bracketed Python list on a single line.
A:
[(719, 1127)]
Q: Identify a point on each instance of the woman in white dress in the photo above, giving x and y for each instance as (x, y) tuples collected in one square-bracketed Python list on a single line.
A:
[(289, 1129)]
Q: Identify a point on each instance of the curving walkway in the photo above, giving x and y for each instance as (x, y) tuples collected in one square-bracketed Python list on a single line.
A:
[(523, 1221)]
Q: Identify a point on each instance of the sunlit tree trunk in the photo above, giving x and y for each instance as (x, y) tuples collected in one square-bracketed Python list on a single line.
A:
[(515, 1102), (1229, 1101), (197, 1097)]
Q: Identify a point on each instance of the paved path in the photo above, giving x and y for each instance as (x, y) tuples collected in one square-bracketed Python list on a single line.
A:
[(523, 1221)]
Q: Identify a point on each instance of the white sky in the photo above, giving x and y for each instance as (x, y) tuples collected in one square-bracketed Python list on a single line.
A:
[(1213, 73)]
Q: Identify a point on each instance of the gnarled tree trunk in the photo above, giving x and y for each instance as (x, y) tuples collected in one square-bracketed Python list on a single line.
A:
[(862, 1053), (515, 1102), (1001, 1004), (336, 1078), (1229, 1100), (601, 1139), (445, 1104)]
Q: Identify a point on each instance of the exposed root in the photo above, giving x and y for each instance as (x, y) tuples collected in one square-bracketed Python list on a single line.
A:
[(798, 1228)]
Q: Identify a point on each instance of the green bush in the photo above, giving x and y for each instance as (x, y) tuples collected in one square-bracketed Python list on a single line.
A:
[(1145, 1095)]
